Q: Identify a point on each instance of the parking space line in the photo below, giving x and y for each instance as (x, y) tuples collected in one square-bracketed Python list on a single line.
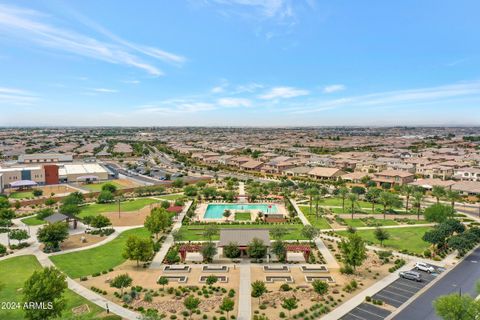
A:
[(389, 298), (397, 294), (402, 289), (369, 312), (368, 315)]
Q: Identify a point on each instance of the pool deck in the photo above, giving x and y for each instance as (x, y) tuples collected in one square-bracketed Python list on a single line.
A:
[(202, 208)]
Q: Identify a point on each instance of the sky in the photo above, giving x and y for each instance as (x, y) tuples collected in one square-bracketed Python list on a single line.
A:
[(239, 63)]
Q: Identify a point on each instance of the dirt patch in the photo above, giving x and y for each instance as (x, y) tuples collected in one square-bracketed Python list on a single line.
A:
[(130, 218), (126, 183), (56, 189), (74, 241)]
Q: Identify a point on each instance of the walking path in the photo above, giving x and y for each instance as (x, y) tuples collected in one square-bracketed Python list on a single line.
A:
[(241, 193), (158, 259), (329, 258), (244, 295)]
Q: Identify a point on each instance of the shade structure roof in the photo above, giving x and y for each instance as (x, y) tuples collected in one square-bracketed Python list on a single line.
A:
[(56, 217), (23, 183), (242, 237)]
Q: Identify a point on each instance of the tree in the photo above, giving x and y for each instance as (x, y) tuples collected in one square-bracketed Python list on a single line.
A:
[(70, 209), (211, 279), (311, 192), (138, 249), (353, 250), (100, 222), (209, 192), (320, 287), (278, 248), (417, 203), (457, 307), (453, 196), (353, 198), (176, 235), (177, 183), (208, 251), (121, 281), (278, 232), (231, 250), (209, 231), (381, 235), (163, 281), (37, 192), (438, 192), (227, 213), (52, 235), (105, 196), (438, 213), (109, 187), (227, 305), (19, 235), (191, 303), (407, 191), (389, 200), (158, 219), (258, 289), (75, 198), (256, 249), (289, 304), (190, 191), (310, 232), (343, 192), (45, 286)]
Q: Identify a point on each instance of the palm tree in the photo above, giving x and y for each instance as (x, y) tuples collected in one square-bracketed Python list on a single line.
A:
[(407, 191), (417, 202), (453, 196), (373, 195), (311, 192), (353, 198), (438, 192), (343, 192)]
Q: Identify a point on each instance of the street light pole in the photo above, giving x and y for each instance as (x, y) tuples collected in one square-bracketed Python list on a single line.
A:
[(118, 208)]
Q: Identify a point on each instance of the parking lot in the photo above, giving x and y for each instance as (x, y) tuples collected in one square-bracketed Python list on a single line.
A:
[(366, 311), (395, 294)]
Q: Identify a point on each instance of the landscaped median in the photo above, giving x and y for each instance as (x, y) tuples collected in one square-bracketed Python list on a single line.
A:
[(96, 260), (17, 270)]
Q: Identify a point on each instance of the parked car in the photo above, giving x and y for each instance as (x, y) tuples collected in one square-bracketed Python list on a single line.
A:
[(424, 267), (411, 275)]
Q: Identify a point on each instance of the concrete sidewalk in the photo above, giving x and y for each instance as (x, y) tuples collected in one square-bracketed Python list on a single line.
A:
[(158, 259), (244, 294), (329, 258)]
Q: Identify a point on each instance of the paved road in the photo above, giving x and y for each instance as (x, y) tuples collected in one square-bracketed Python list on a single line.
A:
[(463, 276)]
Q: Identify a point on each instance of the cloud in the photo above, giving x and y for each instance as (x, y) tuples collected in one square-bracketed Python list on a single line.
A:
[(30, 26), (217, 89), (13, 96), (398, 98), (234, 102), (333, 88), (104, 90), (283, 92), (249, 87), (131, 81)]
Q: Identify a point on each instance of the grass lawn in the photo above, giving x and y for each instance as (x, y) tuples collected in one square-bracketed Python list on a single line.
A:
[(243, 216), (87, 262), (194, 232), (94, 187), (13, 274), (320, 223), (32, 221), (22, 195), (400, 238), (359, 223), (97, 208), (174, 196)]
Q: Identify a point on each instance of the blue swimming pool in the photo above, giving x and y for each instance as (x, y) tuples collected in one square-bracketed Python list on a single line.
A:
[(215, 211)]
